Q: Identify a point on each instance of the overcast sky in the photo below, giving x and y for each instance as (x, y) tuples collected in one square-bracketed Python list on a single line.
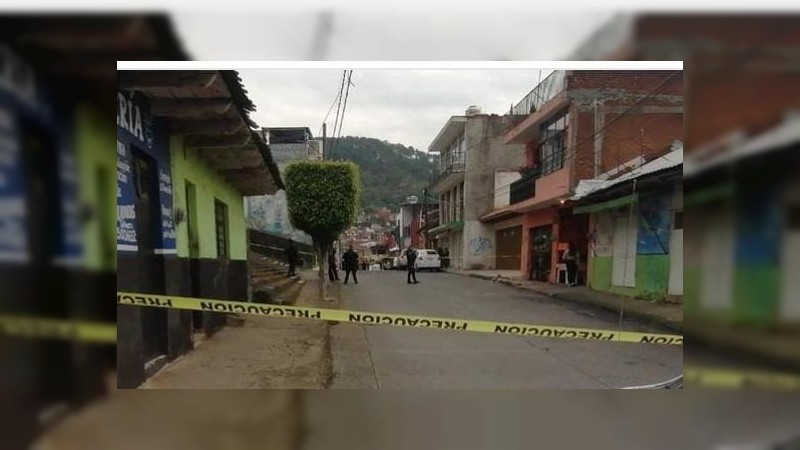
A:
[(403, 106)]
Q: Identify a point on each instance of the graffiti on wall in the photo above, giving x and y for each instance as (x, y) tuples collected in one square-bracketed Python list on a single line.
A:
[(480, 245)]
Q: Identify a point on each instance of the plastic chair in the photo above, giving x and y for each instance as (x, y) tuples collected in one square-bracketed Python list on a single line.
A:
[(562, 268)]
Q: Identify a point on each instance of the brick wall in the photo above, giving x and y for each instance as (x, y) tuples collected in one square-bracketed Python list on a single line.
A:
[(741, 71), (603, 100), (632, 82)]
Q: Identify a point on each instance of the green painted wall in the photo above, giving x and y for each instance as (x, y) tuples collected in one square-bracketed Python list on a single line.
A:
[(691, 289), (209, 185), (652, 275), (756, 294), (96, 158)]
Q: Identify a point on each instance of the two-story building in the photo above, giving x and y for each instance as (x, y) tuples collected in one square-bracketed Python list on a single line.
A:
[(740, 175), (581, 125), (470, 151)]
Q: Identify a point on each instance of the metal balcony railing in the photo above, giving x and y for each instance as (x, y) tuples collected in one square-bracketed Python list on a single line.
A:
[(541, 94), (450, 169)]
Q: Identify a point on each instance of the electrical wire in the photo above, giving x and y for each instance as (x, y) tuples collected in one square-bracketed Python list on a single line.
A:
[(344, 107)]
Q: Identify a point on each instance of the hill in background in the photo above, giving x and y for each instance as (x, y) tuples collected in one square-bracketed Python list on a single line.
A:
[(389, 172)]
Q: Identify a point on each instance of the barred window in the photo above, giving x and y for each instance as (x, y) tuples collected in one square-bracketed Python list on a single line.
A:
[(553, 143)]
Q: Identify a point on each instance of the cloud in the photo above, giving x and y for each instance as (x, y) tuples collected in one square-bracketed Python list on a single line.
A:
[(403, 106)]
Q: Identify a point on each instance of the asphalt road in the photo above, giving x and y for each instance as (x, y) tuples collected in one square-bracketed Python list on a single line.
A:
[(552, 420), (388, 357)]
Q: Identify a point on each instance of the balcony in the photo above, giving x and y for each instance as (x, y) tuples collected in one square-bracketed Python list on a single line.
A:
[(525, 187), (448, 176), (541, 94), (453, 225)]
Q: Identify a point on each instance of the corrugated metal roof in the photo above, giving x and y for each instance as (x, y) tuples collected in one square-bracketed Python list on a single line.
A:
[(777, 138), (668, 161)]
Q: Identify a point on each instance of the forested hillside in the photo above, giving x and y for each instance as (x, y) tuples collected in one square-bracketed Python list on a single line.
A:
[(389, 172)]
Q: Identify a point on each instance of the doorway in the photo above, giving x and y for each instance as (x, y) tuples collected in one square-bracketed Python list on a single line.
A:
[(790, 307), (716, 290), (676, 255), (509, 246), (154, 320), (623, 270), (52, 363), (194, 251), (541, 252)]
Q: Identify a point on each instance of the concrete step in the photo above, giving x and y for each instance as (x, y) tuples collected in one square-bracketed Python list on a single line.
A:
[(272, 292), (289, 297), (269, 279)]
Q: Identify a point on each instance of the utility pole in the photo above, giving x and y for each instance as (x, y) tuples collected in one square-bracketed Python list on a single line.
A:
[(425, 213), (324, 134)]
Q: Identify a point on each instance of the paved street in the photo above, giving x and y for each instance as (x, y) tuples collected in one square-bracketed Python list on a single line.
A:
[(596, 420), (389, 357)]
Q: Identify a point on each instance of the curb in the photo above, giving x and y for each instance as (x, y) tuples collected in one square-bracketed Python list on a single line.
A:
[(746, 342), (645, 317)]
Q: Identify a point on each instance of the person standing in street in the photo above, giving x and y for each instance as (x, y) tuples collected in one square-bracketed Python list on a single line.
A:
[(411, 264), (333, 274), (350, 259), (292, 255)]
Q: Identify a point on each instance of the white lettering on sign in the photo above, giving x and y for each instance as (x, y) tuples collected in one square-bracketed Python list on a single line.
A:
[(165, 184), (125, 212), (129, 116)]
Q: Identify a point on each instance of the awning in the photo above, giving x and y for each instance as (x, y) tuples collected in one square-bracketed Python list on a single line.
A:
[(610, 204), (707, 195)]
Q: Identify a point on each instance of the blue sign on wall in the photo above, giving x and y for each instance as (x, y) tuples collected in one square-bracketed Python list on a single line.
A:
[(126, 215), (26, 110), (13, 211), (136, 129)]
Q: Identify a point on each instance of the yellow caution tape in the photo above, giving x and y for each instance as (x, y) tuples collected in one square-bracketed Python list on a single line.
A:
[(400, 320), (61, 329), (739, 379)]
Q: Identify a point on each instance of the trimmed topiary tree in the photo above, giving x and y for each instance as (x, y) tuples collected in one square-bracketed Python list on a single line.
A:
[(323, 199)]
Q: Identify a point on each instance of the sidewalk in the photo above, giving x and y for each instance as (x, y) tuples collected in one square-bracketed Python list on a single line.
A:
[(266, 352), (664, 314), (262, 353)]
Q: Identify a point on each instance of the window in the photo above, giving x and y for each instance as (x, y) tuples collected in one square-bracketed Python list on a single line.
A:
[(553, 143), (221, 227)]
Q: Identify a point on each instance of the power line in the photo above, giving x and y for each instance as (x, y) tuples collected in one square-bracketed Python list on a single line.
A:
[(336, 121), (338, 97), (344, 107)]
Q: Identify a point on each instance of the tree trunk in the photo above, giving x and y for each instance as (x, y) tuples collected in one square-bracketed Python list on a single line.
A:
[(323, 262)]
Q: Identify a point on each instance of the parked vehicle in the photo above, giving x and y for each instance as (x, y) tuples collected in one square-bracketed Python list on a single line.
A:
[(428, 259), (399, 262)]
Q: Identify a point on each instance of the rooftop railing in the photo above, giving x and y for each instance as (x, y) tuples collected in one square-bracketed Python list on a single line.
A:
[(551, 86)]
